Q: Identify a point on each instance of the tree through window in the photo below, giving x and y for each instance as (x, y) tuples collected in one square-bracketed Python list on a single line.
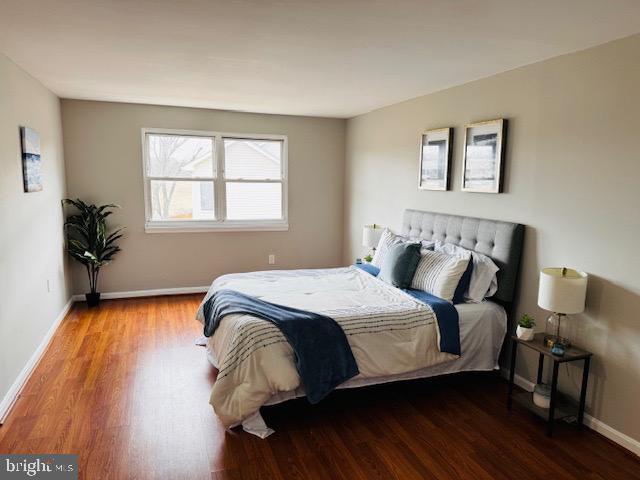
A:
[(210, 180)]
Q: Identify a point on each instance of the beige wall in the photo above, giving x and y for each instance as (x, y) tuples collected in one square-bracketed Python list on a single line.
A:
[(573, 167), (31, 237), (103, 155)]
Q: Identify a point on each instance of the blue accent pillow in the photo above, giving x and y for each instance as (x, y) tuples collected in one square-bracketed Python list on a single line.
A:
[(369, 268), (399, 265), (463, 284)]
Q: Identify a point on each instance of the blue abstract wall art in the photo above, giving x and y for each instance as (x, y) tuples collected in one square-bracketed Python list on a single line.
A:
[(31, 162)]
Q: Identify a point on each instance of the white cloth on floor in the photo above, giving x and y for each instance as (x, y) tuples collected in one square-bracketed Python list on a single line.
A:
[(255, 425)]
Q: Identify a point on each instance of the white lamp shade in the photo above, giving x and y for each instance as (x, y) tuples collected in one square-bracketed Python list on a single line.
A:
[(371, 235), (562, 290)]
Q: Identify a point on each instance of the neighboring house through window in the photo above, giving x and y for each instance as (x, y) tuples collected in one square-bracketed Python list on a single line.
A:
[(198, 181)]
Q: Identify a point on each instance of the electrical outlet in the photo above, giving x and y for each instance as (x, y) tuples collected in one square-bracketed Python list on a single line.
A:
[(272, 259), (48, 286)]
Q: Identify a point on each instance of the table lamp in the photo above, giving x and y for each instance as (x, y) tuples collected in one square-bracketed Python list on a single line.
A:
[(561, 291), (370, 237)]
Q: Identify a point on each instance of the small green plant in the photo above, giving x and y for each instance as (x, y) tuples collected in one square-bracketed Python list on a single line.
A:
[(368, 258), (526, 321)]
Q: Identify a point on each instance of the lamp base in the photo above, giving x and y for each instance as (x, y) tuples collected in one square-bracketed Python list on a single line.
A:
[(554, 331)]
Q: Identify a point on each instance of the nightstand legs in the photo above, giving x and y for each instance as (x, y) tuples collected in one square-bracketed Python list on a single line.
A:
[(554, 394), (559, 407), (583, 390), (512, 372), (540, 367)]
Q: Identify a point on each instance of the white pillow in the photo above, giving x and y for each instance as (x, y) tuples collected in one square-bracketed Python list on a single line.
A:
[(387, 240), (427, 244), (439, 273), (484, 282)]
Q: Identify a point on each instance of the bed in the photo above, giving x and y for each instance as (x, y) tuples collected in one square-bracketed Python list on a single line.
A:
[(393, 335)]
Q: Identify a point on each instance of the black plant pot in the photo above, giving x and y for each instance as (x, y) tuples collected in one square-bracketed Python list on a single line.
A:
[(93, 299)]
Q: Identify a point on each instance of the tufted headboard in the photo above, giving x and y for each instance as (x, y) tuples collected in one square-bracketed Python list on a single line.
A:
[(502, 241)]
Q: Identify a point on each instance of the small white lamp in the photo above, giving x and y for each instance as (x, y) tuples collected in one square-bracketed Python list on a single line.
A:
[(371, 236), (563, 292)]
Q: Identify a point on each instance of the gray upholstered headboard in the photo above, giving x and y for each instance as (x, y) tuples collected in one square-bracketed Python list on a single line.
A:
[(502, 241)]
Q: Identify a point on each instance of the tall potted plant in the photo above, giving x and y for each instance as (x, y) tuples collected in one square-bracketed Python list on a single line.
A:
[(88, 241)]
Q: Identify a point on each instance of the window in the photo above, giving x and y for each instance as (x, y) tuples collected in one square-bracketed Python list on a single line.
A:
[(198, 181)]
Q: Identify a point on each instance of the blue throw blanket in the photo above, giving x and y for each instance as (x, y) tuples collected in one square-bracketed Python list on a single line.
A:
[(446, 314), (447, 317), (322, 353)]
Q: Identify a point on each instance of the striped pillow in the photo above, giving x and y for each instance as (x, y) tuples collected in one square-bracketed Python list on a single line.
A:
[(483, 282), (439, 274), (387, 240)]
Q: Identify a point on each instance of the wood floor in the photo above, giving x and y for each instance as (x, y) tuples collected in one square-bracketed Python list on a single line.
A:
[(125, 388)]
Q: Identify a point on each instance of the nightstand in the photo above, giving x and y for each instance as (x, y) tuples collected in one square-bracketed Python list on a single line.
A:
[(561, 406)]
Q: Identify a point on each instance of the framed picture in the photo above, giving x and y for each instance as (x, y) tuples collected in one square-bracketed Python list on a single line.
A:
[(30, 142), (484, 148), (435, 159)]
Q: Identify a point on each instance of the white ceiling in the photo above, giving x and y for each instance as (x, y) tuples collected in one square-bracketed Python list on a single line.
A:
[(323, 57)]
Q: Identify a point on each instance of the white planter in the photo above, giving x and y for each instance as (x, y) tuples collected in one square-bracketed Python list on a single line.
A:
[(542, 395), (525, 334)]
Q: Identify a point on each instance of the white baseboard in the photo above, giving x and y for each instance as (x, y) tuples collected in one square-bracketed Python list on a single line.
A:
[(14, 391), (146, 293), (593, 423), (612, 434)]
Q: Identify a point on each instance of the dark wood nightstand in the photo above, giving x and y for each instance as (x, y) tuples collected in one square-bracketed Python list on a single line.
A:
[(561, 406)]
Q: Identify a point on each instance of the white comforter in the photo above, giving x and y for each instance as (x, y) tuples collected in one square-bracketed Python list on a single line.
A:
[(389, 333)]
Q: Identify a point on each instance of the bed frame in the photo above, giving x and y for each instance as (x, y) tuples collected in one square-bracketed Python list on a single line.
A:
[(502, 241)]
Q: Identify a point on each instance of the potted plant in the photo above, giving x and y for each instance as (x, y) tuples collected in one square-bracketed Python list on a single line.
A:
[(88, 241), (525, 328)]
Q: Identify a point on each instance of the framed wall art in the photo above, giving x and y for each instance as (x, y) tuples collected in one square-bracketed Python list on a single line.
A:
[(435, 159), (484, 151), (31, 162)]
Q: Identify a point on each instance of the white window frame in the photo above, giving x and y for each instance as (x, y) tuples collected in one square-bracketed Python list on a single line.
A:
[(219, 182)]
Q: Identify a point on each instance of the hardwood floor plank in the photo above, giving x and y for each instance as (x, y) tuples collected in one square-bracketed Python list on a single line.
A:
[(125, 388)]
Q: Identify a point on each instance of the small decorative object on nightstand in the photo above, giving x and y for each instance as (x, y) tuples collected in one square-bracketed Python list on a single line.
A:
[(558, 348), (560, 406), (370, 237), (562, 291), (525, 329)]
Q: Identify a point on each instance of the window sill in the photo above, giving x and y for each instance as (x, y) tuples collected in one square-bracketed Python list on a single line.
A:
[(203, 227)]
